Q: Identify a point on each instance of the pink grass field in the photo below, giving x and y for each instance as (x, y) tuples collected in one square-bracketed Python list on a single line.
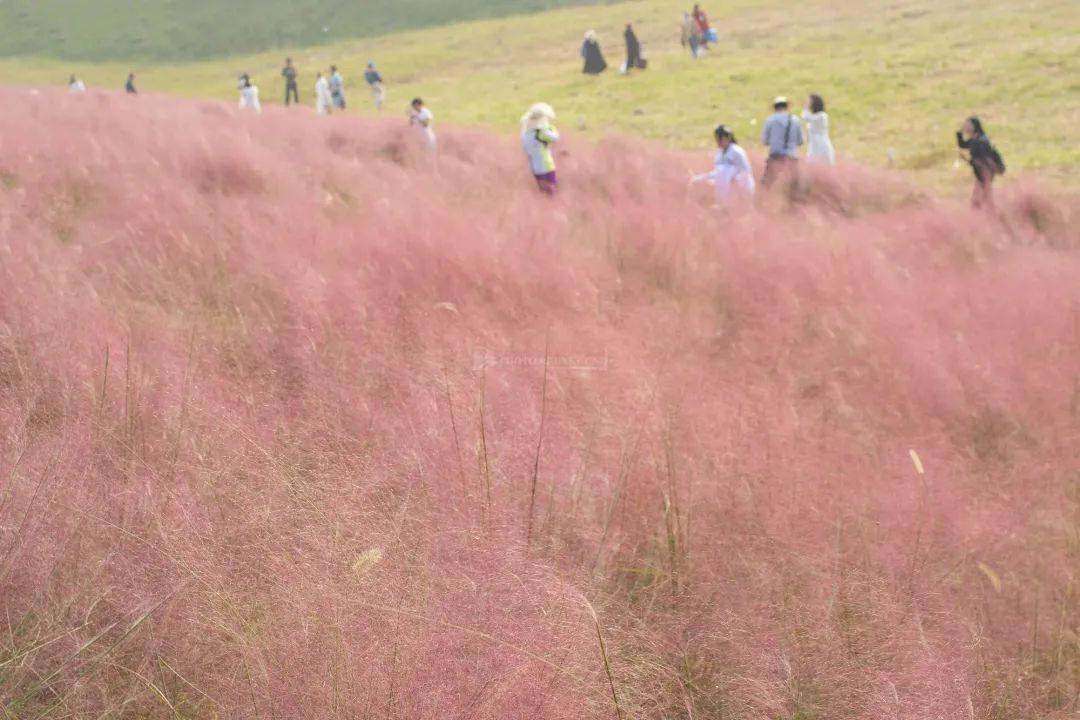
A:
[(299, 423)]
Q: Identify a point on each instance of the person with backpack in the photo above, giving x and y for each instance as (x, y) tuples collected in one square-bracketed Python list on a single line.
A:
[(984, 158), (731, 175), (538, 134), (783, 135), (289, 73)]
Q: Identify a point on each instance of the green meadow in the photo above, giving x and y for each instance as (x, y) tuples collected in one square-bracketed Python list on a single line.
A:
[(898, 76), (185, 30)]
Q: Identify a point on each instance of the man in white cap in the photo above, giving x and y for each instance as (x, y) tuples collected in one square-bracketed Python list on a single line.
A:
[(782, 134)]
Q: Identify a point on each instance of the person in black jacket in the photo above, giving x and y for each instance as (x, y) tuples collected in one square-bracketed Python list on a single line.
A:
[(590, 53), (984, 160), (291, 89), (633, 49)]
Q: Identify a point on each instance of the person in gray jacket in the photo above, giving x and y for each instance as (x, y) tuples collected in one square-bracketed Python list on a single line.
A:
[(782, 134)]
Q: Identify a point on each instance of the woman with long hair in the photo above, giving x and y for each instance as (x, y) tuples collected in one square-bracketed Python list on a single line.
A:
[(820, 147), (731, 175), (984, 159)]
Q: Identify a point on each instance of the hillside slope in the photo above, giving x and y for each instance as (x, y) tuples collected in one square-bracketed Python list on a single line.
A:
[(898, 77), (299, 424), (178, 30)]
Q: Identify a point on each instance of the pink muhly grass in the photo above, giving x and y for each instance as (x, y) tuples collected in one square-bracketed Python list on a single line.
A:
[(298, 424)]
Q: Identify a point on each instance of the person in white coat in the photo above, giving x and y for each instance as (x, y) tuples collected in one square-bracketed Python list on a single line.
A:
[(731, 175), (538, 134), (249, 94), (820, 147), (323, 99), (421, 118), (76, 86)]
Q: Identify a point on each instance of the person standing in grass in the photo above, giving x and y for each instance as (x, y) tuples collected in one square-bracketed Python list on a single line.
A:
[(820, 147), (691, 36), (590, 53), (633, 50), (337, 88), (129, 86), (731, 175), (984, 159), (291, 91), (249, 94), (375, 82), (783, 135), (538, 134), (323, 99), (422, 119), (702, 22), (76, 86)]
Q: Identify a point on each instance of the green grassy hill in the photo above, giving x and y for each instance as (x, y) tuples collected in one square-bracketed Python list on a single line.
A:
[(200, 29), (898, 75)]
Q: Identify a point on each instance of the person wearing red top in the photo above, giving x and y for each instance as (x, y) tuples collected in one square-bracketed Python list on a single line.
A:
[(702, 21)]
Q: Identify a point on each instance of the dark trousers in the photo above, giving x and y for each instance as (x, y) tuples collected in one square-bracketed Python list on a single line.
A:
[(548, 183), (778, 166), (291, 91)]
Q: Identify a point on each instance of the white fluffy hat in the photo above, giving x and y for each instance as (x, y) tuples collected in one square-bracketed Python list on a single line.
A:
[(538, 116)]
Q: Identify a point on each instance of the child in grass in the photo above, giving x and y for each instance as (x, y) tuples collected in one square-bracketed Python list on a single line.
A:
[(537, 136)]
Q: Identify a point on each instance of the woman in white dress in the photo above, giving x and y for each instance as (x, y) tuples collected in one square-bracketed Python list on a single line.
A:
[(249, 94), (421, 118), (820, 147), (323, 99), (731, 175)]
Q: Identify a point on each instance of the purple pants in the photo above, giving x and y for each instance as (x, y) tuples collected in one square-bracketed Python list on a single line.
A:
[(547, 183)]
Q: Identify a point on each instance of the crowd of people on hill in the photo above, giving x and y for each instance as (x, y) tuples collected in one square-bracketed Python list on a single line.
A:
[(329, 90), (783, 133)]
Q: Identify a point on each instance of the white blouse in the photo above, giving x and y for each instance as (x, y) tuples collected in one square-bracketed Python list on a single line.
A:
[(731, 175), (820, 147), (249, 98)]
